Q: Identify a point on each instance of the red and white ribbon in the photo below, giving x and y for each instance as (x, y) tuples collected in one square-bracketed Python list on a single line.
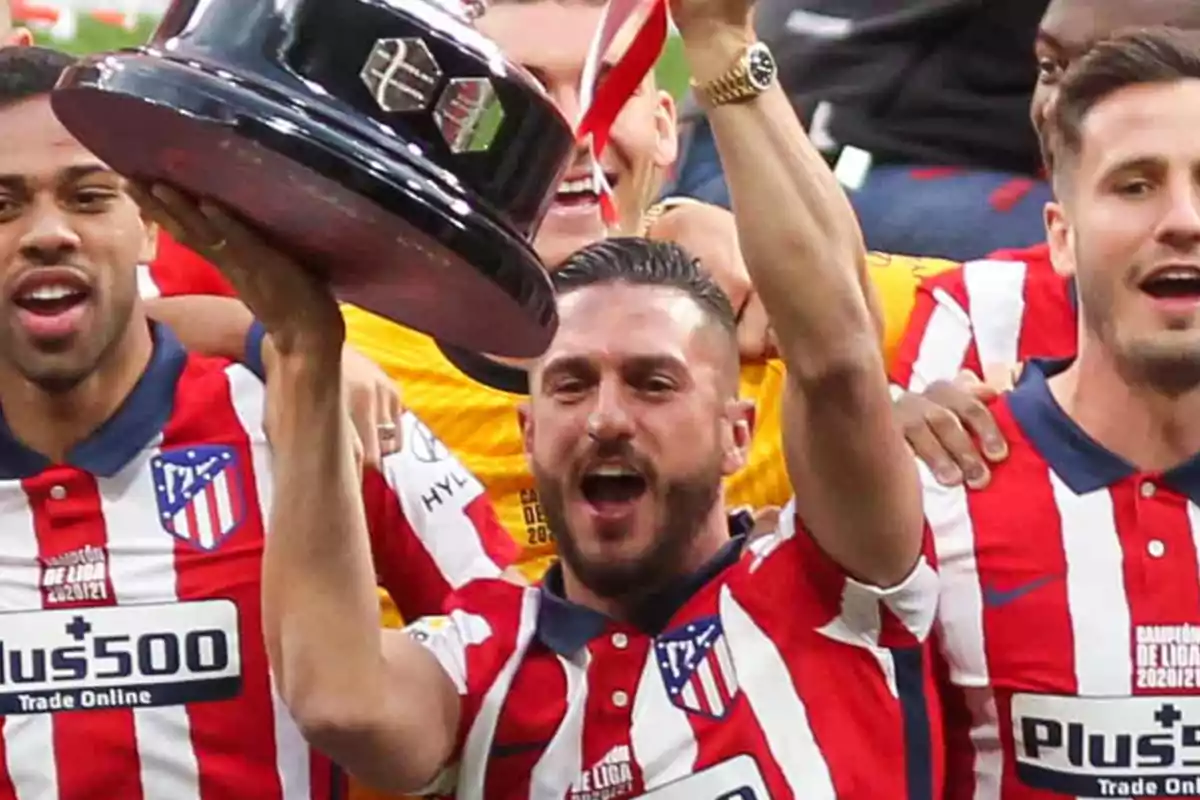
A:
[(600, 104)]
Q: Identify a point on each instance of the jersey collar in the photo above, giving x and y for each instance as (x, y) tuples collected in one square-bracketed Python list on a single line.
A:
[(566, 627), (125, 434), (1082, 462)]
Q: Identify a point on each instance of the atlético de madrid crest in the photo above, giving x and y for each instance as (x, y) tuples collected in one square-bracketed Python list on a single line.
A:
[(200, 494), (697, 667)]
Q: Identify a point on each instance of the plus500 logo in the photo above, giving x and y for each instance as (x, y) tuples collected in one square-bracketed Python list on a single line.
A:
[(50, 649), (159, 653), (1089, 736), (1103, 750)]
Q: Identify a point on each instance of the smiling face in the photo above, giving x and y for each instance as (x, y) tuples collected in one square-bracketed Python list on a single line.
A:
[(1128, 229), (1069, 28), (632, 424), (70, 240), (551, 39)]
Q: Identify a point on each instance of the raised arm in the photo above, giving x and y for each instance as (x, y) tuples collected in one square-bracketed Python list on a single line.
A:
[(387, 713), (856, 485)]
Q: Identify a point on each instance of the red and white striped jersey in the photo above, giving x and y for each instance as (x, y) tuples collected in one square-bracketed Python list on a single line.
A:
[(132, 663), (1069, 619), (770, 674), (1003, 310)]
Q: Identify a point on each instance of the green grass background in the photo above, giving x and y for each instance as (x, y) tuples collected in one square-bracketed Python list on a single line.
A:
[(94, 37)]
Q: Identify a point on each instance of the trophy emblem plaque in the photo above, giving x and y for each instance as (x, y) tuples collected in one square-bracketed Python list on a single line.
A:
[(387, 144)]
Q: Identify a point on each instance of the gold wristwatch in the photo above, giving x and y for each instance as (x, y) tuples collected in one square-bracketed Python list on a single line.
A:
[(751, 75)]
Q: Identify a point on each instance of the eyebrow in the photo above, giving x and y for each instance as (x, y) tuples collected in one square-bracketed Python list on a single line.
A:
[(640, 363), (1134, 165), (70, 175)]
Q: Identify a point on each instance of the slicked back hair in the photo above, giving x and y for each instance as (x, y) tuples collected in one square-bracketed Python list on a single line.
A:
[(634, 261)]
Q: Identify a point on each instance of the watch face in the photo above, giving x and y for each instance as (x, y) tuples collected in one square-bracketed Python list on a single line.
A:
[(760, 67)]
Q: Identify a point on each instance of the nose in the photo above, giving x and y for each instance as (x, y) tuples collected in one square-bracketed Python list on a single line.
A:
[(1180, 227), (50, 239), (610, 419)]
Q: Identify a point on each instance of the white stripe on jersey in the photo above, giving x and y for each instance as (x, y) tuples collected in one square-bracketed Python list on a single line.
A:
[(1096, 599), (996, 299), (944, 343), (658, 722), (777, 706), (292, 755), (28, 738), (1193, 513), (141, 566), (555, 773), (993, 318), (483, 730), (425, 478), (960, 623)]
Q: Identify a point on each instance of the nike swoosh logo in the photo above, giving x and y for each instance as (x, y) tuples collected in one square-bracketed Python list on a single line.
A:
[(517, 748), (996, 598)]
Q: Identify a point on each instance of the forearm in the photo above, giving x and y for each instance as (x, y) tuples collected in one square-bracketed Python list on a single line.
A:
[(798, 233), (206, 324), (319, 601), (853, 477)]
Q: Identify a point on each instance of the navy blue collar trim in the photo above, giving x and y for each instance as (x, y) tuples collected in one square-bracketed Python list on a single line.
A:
[(126, 433), (566, 627), (1082, 462)]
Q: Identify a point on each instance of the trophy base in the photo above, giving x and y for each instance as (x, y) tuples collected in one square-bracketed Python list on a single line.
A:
[(392, 233)]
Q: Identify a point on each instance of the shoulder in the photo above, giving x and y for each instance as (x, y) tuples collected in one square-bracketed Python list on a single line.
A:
[(216, 391), (483, 624)]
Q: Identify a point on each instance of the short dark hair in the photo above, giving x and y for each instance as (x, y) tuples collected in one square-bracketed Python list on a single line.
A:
[(1130, 58), (29, 71), (636, 261)]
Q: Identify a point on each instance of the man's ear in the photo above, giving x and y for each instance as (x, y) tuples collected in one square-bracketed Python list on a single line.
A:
[(150, 244), (740, 416), (1061, 238), (666, 125)]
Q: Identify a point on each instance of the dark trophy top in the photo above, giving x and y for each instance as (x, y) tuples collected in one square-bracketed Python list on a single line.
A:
[(386, 143)]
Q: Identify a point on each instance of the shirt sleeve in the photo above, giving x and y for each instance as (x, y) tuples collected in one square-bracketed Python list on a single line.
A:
[(433, 529), (474, 641), (847, 609), (177, 270), (939, 341)]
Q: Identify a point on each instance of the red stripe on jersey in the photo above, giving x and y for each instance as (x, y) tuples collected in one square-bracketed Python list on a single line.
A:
[(68, 522), (7, 790), (403, 566), (607, 764), (243, 726), (1008, 566), (526, 729), (496, 542), (1145, 524)]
